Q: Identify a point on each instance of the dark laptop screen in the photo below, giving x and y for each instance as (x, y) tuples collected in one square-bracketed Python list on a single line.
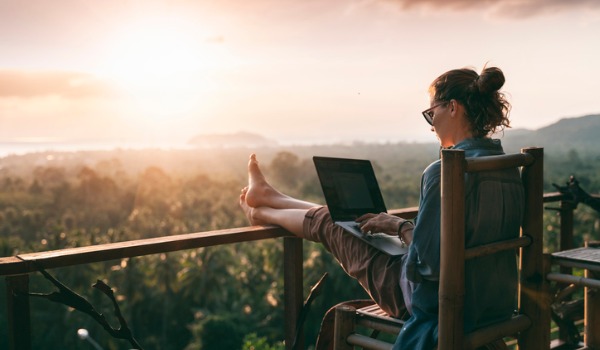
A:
[(349, 186)]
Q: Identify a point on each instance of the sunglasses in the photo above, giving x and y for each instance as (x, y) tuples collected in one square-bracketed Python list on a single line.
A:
[(428, 113)]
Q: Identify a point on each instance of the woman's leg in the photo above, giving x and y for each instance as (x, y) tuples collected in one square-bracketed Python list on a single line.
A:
[(264, 205), (378, 273)]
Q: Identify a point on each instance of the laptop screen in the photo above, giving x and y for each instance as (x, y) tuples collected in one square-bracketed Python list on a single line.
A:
[(349, 186)]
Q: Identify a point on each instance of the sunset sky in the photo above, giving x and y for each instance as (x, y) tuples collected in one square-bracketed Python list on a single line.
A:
[(161, 72)]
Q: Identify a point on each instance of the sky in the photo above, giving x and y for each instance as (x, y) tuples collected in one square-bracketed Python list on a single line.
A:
[(161, 72)]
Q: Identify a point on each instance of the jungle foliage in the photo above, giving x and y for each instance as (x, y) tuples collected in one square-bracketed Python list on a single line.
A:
[(200, 298)]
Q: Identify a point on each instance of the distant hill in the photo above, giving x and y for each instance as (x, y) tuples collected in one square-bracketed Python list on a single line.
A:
[(581, 134), (240, 139), (577, 133)]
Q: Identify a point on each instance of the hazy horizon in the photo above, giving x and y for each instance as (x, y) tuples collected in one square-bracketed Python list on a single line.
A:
[(160, 72), (21, 147)]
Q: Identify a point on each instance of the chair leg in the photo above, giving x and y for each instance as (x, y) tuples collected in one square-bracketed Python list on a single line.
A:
[(344, 326), (325, 337)]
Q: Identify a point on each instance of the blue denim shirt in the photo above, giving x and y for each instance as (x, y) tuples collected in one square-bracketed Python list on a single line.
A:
[(494, 210)]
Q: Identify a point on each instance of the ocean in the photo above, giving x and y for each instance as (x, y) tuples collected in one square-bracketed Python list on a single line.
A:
[(20, 148)]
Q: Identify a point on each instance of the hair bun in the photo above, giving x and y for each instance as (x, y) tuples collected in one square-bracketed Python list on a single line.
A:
[(490, 80)]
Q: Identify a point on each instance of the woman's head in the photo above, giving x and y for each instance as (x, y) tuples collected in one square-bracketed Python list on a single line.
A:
[(486, 108)]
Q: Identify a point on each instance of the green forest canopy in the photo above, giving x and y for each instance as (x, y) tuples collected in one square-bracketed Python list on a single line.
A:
[(55, 200)]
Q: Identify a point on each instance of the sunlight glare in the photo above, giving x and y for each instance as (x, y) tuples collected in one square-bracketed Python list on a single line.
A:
[(162, 64)]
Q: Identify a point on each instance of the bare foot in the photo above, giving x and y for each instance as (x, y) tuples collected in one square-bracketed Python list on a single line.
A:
[(259, 191), (248, 211)]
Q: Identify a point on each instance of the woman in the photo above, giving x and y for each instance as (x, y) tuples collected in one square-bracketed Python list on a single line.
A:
[(465, 108)]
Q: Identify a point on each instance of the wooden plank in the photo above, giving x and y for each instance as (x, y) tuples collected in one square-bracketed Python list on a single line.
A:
[(25, 263), (376, 312), (592, 312), (364, 342), (293, 292), (534, 297), (452, 251), (566, 211), (343, 326), (378, 325), (568, 279), (495, 247), (12, 265), (557, 197), (486, 335), (553, 197), (567, 208), (498, 162), (406, 213), (583, 255)]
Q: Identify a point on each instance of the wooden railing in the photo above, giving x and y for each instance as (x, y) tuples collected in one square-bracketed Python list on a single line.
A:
[(16, 269)]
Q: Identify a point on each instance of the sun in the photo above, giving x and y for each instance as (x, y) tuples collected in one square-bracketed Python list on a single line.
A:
[(162, 64)]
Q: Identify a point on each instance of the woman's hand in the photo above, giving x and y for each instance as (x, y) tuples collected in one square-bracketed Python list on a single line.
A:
[(382, 222)]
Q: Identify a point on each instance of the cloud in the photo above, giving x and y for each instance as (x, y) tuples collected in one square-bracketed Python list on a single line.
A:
[(31, 84), (504, 8)]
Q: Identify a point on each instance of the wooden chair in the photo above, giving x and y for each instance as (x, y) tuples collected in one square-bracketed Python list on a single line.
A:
[(531, 325)]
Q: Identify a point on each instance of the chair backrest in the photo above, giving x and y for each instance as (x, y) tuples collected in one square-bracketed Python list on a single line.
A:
[(533, 322)]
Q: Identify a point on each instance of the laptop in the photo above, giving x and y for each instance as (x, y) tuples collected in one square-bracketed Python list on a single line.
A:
[(351, 190)]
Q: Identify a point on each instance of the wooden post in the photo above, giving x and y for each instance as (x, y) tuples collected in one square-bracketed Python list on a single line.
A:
[(592, 313), (534, 295), (293, 296), (19, 325), (452, 251), (592, 310), (343, 326), (566, 226), (565, 243)]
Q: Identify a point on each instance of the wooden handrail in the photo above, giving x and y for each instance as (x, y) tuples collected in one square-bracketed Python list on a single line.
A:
[(477, 164), (31, 262), (17, 270)]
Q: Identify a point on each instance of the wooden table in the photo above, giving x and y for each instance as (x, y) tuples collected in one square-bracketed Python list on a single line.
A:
[(586, 258)]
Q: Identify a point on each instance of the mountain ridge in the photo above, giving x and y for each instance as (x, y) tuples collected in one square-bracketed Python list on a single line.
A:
[(574, 133)]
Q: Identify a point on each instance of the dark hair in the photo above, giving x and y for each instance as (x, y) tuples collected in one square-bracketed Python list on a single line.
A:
[(486, 107)]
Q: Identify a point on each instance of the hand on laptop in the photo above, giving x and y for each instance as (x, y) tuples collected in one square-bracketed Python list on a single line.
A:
[(382, 222)]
